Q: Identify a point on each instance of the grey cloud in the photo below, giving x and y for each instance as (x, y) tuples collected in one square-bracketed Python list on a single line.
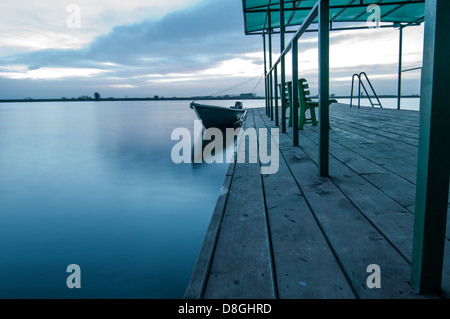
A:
[(182, 41)]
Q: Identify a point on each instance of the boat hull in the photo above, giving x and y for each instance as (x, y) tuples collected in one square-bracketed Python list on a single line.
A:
[(218, 116)]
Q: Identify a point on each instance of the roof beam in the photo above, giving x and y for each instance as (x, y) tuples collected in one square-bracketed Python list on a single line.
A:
[(389, 12), (304, 26), (264, 6), (267, 13), (341, 12), (293, 14), (267, 9), (336, 29), (365, 11), (339, 6)]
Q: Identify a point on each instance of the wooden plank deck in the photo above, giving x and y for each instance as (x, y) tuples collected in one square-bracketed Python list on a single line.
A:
[(294, 234)]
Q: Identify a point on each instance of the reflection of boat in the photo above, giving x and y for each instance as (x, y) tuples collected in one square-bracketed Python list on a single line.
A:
[(222, 151), (219, 116)]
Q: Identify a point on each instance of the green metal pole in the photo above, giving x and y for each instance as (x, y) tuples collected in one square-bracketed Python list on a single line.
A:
[(265, 72), (277, 119), (270, 66), (434, 152), (324, 86), (295, 103), (400, 53), (283, 69)]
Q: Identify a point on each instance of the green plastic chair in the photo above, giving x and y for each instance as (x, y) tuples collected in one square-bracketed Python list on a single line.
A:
[(288, 99), (306, 104)]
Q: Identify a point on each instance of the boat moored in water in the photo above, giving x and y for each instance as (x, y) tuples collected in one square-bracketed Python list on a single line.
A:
[(219, 116)]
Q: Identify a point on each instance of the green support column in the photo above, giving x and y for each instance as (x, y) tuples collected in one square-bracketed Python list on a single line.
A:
[(400, 53), (434, 152), (295, 103), (324, 86), (265, 73), (283, 69), (275, 76), (266, 83), (270, 66)]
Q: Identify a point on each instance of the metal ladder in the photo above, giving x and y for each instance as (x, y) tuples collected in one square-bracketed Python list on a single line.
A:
[(360, 83)]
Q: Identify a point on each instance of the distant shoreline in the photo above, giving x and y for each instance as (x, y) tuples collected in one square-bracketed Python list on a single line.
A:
[(193, 98)]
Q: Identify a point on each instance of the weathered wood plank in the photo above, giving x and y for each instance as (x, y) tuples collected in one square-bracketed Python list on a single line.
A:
[(390, 218), (242, 267), (391, 184), (379, 143), (302, 256), (196, 286), (294, 234), (381, 134), (388, 118), (242, 264), (356, 242), (382, 152), (354, 239), (395, 126)]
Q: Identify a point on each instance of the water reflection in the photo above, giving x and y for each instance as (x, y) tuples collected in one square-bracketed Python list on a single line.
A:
[(216, 148), (93, 184)]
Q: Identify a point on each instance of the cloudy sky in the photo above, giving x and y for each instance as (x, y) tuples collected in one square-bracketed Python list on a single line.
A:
[(140, 48)]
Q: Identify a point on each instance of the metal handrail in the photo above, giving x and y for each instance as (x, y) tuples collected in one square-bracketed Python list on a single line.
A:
[(360, 83)]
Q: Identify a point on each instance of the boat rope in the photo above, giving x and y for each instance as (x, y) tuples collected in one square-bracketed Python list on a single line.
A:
[(240, 84), (259, 81)]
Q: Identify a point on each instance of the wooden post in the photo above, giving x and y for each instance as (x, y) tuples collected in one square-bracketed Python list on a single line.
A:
[(434, 152), (324, 83)]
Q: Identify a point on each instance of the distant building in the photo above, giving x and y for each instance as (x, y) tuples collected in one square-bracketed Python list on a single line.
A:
[(247, 95)]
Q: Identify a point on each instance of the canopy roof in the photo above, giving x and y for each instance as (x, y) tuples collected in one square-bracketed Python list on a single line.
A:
[(396, 11)]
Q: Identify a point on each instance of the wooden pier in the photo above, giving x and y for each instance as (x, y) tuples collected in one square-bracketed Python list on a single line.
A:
[(294, 234)]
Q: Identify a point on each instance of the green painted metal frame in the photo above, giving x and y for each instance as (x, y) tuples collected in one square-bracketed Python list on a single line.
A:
[(339, 28), (400, 56), (267, 9), (324, 87), (270, 66), (324, 28), (275, 84), (265, 73), (283, 69), (323, 82), (295, 101), (400, 61), (434, 140), (434, 152)]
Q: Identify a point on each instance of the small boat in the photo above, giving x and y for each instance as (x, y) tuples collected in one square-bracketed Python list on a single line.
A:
[(220, 116)]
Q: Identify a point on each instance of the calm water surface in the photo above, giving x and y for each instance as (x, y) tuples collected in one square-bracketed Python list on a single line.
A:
[(412, 104), (93, 184)]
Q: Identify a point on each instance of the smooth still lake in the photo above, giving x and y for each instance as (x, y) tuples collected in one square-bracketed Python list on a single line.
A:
[(93, 184)]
